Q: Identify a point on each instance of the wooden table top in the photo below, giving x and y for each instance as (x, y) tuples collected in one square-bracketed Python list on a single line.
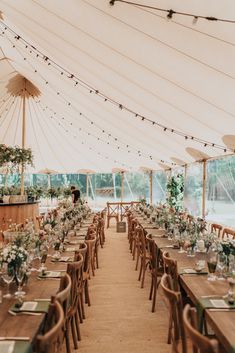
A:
[(23, 325), (197, 285)]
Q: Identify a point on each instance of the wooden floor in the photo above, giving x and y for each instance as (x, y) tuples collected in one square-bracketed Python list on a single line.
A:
[(120, 319)]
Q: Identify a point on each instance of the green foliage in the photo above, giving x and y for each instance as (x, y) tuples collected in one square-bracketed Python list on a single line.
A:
[(13, 157), (175, 192)]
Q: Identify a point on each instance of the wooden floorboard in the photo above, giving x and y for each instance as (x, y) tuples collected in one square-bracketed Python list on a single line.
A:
[(120, 319)]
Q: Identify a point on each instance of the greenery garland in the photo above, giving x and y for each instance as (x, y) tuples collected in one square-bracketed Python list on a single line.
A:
[(175, 192), (13, 157)]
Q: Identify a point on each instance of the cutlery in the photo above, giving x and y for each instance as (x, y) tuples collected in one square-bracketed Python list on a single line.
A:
[(23, 313), (14, 338), (213, 296), (42, 300), (221, 309)]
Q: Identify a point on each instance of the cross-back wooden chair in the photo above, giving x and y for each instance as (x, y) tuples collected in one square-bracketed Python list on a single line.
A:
[(81, 289), (228, 232), (200, 343), (156, 269), (171, 268), (176, 333), (143, 254), (52, 339), (63, 297), (112, 212), (74, 270), (101, 226), (91, 255), (132, 236), (125, 207), (216, 228)]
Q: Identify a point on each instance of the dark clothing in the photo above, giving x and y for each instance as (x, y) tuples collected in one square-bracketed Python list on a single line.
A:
[(76, 194)]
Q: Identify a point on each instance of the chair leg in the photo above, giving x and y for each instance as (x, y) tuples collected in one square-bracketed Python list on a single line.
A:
[(77, 327), (96, 258), (151, 289), (143, 277), (134, 249), (67, 341), (155, 287), (75, 343), (169, 330), (93, 267), (82, 306), (87, 296), (137, 259), (140, 273), (80, 311)]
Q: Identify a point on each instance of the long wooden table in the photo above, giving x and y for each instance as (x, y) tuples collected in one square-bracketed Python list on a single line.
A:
[(197, 285), (23, 325)]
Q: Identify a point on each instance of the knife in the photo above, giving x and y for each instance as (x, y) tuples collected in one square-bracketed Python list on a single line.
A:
[(14, 339)]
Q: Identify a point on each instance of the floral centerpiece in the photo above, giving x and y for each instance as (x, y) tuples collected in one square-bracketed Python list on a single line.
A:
[(13, 255)]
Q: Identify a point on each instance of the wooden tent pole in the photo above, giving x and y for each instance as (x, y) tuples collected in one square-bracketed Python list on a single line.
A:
[(23, 137), (122, 191), (204, 190), (48, 181), (151, 187), (87, 187)]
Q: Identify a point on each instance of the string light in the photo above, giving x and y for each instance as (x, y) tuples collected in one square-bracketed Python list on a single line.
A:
[(171, 12), (105, 98)]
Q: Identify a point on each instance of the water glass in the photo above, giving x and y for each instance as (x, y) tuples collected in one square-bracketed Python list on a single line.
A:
[(221, 266), (20, 274), (211, 263), (7, 276)]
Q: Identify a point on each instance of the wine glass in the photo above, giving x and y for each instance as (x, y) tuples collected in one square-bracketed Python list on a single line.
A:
[(31, 257), (211, 263), (7, 276), (181, 244), (221, 266), (20, 274)]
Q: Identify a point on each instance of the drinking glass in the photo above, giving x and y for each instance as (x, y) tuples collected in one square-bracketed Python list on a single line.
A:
[(211, 263), (181, 244), (20, 274), (7, 276), (221, 266), (30, 260)]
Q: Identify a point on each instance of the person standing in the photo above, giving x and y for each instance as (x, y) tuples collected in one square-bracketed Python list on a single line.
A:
[(75, 194)]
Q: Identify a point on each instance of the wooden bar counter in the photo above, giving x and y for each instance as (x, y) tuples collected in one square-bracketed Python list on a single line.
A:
[(17, 213)]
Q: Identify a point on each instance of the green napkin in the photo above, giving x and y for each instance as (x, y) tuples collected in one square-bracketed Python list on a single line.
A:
[(191, 271), (209, 303), (62, 259), (41, 307), (15, 347), (51, 274), (22, 347)]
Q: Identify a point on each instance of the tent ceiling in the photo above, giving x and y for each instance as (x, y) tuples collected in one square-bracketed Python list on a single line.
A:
[(173, 72)]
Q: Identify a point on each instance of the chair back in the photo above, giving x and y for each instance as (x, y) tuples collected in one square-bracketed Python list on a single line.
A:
[(91, 254), (154, 252), (176, 313), (200, 343), (170, 268), (142, 241), (63, 295), (228, 232), (51, 341), (75, 271), (216, 228), (82, 250)]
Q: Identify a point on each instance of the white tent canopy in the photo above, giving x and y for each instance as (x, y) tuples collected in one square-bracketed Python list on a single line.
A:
[(175, 73)]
